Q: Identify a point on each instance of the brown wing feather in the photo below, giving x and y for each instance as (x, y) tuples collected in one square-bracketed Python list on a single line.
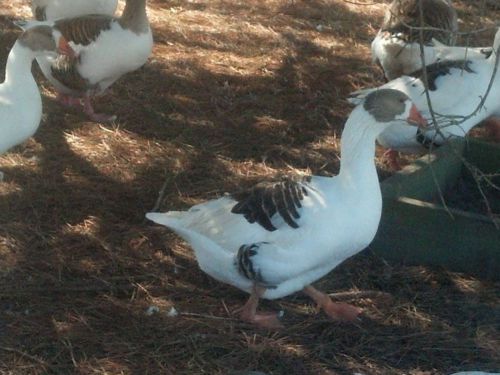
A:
[(65, 70), (84, 30)]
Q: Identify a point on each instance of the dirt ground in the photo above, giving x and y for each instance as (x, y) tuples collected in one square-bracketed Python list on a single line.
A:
[(235, 91)]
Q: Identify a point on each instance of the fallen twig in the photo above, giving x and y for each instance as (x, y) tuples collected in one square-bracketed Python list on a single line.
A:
[(360, 294), (25, 355)]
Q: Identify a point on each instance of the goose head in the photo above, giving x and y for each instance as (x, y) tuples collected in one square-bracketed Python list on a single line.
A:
[(44, 40), (387, 106)]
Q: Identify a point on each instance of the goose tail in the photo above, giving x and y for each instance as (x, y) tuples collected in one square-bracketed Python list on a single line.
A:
[(171, 219), (174, 221), (206, 250)]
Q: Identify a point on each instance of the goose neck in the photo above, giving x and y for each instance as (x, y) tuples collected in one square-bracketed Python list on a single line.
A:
[(19, 62), (134, 16), (358, 147)]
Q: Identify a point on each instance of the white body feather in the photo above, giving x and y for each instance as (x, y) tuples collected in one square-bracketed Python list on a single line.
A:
[(55, 9), (339, 218), (20, 101)]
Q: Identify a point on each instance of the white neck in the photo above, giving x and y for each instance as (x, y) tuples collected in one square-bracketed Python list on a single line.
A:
[(19, 63), (358, 148)]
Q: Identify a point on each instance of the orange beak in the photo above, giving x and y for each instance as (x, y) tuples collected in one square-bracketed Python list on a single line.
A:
[(416, 118), (65, 49)]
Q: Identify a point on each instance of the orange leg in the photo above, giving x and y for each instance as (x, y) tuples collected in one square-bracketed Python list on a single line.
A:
[(336, 310), (69, 100), (249, 312), (97, 117), (392, 157), (493, 126), (84, 103)]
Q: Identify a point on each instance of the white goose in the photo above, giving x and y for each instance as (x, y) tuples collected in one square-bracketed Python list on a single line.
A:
[(398, 57), (280, 237), (44, 10), (397, 49), (456, 91), (106, 48), (20, 101)]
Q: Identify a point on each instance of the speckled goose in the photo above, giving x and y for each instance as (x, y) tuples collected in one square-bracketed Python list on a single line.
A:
[(49, 10), (279, 237), (106, 49), (440, 15), (396, 48), (456, 89), (20, 101)]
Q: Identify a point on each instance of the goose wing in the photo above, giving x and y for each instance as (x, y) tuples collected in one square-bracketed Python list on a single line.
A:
[(269, 199), (80, 32)]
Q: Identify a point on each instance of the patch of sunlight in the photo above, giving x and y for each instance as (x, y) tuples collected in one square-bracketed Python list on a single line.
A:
[(87, 227), (468, 286), (116, 153)]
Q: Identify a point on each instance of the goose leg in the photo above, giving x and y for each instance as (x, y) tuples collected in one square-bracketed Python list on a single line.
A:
[(97, 117), (336, 310), (392, 157), (249, 312), (493, 126), (69, 101)]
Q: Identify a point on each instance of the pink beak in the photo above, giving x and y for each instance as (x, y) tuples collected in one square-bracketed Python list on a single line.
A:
[(65, 49), (416, 117)]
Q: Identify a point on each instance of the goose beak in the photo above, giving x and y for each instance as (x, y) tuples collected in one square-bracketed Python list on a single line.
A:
[(416, 118), (65, 49)]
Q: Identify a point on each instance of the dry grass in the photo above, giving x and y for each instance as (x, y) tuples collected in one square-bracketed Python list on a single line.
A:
[(235, 91)]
